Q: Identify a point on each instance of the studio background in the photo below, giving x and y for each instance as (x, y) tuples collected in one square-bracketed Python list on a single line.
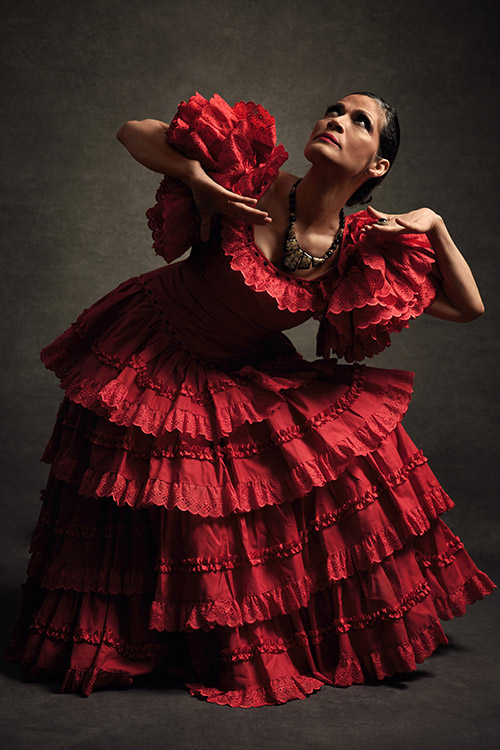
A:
[(74, 200)]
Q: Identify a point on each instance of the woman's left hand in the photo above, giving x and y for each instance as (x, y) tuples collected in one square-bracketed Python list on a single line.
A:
[(421, 220)]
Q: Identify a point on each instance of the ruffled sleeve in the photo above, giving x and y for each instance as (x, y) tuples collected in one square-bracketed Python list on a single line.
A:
[(383, 285), (235, 145)]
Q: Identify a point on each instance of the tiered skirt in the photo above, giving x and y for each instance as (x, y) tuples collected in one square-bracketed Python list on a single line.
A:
[(255, 534)]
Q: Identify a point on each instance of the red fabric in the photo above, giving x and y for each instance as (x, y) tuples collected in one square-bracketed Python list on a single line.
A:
[(219, 508), (235, 145)]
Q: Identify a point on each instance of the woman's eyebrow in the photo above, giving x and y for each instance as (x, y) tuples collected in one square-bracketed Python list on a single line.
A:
[(340, 106), (337, 105)]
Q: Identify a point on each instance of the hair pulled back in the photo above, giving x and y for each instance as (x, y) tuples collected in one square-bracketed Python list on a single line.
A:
[(387, 149)]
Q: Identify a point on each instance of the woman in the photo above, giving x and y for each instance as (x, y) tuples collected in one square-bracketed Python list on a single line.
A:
[(218, 507)]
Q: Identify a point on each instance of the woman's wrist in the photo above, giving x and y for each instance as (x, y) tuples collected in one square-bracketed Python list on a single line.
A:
[(438, 227), (192, 173)]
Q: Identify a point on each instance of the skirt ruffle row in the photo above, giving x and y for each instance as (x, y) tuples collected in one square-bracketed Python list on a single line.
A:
[(255, 534)]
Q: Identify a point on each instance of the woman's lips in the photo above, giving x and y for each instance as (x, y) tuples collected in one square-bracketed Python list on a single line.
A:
[(328, 137)]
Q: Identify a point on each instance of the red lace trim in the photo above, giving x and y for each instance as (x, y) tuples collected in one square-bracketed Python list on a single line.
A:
[(376, 664), (216, 452), (442, 559), (130, 446), (372, 548), (153, 421), (145, 382), (276, 691), (133, 651), (260, 275), (206, 615), (54, 575), (223, 499), (200, 499), (300, 638), (454, 603), (284, 599)]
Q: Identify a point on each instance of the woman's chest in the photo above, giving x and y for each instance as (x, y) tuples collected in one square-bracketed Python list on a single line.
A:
[(273, 239)]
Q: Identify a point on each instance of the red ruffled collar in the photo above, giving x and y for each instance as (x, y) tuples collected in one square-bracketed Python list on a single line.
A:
[(260, 274)]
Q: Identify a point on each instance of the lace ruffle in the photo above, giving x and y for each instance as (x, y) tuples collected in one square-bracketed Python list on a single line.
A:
[(291, 293), (122, 359), (290, 471), (235, 610), (454, 603), (378, 664), (235, 145), (373, 643), (115, 581), (276, 691), (343, 563), (382, 285)]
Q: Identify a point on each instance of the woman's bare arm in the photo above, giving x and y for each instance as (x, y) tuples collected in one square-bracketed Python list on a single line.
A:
[(146, 143), (458, 299)]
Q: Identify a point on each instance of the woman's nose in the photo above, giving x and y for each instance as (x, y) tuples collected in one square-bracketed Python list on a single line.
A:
[(336, 123)]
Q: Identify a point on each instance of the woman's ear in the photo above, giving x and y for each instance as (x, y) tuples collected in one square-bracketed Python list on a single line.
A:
[(379, 168)]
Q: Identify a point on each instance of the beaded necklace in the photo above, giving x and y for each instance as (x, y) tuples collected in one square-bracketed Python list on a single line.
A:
[(294, 257)]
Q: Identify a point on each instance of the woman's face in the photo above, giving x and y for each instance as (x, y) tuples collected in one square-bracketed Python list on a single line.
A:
[(348, 136)]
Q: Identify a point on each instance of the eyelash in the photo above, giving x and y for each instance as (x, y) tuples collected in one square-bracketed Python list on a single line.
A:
[(364, 117)]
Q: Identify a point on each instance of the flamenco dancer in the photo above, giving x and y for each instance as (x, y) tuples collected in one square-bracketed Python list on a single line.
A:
[(219, 508)]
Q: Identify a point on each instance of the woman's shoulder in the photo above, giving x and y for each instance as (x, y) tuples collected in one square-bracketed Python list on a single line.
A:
[(276, 194)]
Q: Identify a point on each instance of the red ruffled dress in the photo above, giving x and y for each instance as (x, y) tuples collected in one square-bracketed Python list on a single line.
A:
[(219, 508)]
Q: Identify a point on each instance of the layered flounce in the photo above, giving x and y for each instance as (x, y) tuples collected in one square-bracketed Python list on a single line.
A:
[(343, 585), (254, 555), (310, 439), (382, 284), (235, 145), (123, 360)]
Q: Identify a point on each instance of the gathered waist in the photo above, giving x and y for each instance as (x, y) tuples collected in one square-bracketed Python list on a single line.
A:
[(204, 323)]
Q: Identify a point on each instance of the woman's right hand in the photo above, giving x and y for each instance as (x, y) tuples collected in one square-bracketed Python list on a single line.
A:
[(211, 198)]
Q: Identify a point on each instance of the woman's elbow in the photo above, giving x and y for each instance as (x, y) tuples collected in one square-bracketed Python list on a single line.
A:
[(472, 313), (125, 129)]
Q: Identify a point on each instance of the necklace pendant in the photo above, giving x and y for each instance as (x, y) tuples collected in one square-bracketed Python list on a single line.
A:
[(317, 261), (292, 261), (291, 245), (305, 261)]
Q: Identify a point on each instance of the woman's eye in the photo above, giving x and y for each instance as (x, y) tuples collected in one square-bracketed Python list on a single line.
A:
[(365, 120)]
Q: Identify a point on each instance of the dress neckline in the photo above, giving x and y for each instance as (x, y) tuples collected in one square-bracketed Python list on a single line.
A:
[(300, 280)]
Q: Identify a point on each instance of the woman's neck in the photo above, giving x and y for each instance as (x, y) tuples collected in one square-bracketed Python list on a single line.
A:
[(320, 197)]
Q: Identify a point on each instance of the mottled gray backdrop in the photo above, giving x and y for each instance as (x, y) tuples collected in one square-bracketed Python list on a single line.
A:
[(74, 200)]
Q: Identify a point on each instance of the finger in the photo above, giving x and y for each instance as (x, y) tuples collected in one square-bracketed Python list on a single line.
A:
[(241, 198), (376, 213), (246, 212), (267, 220), (381, 229), (404, 223)]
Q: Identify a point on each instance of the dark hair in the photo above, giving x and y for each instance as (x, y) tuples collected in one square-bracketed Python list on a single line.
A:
[(387, 149)]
